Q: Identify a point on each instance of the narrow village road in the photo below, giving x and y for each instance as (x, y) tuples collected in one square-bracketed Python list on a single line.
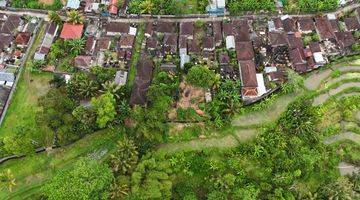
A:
[(183, 18)]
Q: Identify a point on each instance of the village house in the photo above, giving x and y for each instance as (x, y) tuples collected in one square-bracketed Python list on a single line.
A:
[(289, 24), (83, 62), (149, 29), (277, 39), (352, 24), (117, 28), (71, 31), (248, 79), (216, 7), (73, 4), (142, 81), (90, 44), (113, 7), (275, 25), (22, 39), (345, 39), (208, 43), (170, 43), (227, 29), (7, 78), (324, 28), (230, 42), (244, 51), (121, 77), (294, 40), (91, 6), (306, 25), (50, 33), (217, 33), (126, 41), (298, 60), (12, 25), (165, 27), (187, 29)]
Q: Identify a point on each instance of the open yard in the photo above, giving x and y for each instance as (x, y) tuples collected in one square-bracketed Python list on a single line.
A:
[(23, 106)]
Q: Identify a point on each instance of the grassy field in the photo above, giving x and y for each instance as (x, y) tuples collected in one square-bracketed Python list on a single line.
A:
[(31, 172)]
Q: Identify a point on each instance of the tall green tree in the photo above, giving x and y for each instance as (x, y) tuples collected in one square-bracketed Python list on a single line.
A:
[(75, 17), (54, 17), (125, 158), (105, 109), (7, 180)]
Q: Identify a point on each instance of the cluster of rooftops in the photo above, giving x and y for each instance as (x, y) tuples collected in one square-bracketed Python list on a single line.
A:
[(255, 51), (15, 36)]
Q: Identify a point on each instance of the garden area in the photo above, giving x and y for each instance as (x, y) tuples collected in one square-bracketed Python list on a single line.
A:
[(167, 7), (38, 4)]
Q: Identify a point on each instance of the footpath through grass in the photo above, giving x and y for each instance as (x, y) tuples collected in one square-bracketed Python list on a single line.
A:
[(136, 55), (33, 171)]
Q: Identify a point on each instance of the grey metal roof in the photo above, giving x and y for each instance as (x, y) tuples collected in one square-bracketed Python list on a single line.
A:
[(6, 76)]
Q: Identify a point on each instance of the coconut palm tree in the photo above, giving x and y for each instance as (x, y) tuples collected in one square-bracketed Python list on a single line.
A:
[(75, 17), (112, 87), (54, 17), (147, 7), (88, 88), (124, 159), (76, 46), (7, 179)]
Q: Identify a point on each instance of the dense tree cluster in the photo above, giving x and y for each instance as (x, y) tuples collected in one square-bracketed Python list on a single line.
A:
[(225, 103), (311, 5), (235, 6), (164, 7), (201, 76), (35, 4)]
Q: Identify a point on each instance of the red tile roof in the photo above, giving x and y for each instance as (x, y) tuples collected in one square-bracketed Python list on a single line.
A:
[(23, 38), (248, 78), (71, 31)]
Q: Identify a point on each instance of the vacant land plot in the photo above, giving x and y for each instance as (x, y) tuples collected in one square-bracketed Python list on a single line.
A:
[(23, 106)]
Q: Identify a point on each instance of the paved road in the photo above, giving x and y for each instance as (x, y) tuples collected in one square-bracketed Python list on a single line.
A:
[(184, 18)]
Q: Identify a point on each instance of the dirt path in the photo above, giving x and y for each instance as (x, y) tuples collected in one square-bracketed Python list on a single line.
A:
[(342, 77), (267, 115), (314, 81), (232, 140), (343, 136), (347, 168), (324, 97), (349, 94)]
